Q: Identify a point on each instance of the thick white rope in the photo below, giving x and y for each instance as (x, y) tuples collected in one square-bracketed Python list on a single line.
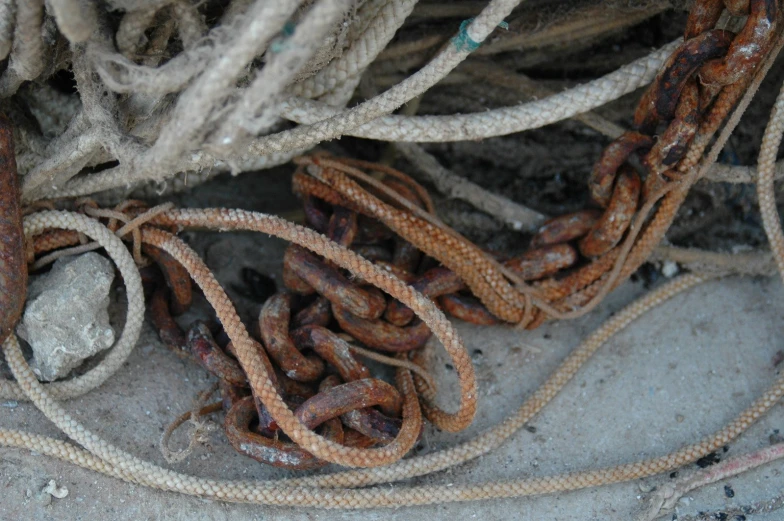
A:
[(526, 116), (363, 51), (491, 123), (257, 110)]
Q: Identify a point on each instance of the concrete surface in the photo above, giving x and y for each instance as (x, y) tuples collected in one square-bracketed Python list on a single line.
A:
[(676, 375)]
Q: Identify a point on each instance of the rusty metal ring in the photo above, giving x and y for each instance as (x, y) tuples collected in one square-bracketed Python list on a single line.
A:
[(342, 227), (659, 101), (674, 141), (749, 46), (332, 349), (565, 228), (542, 262), (382, 335), (335, 401), (468, 309), (316, 313), (602, 178), (610, 227), (211, 357), (266, 450), (274, 327), (433, 283), (177, 278), (334, 286)]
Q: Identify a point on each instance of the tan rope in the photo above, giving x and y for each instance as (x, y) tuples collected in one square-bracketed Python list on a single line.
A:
[(259, 379), (135, 470)]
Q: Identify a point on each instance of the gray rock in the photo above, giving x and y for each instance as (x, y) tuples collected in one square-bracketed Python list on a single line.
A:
[(66, 319)]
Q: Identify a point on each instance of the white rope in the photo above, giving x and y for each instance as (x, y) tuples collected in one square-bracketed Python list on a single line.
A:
[(491, 123)]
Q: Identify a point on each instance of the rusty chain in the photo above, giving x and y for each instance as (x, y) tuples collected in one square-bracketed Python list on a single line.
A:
[(307, 334), (676, 117)]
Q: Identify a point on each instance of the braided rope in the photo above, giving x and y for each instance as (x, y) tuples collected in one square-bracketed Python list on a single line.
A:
[(116, 357), (129, 468)]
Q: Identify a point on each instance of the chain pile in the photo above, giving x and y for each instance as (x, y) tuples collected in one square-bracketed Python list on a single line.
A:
[(328, 385), (299, 396), (677, 117)]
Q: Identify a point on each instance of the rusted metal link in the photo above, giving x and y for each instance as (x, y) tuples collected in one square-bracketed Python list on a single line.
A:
[(291, 280), (565, 228), (381, 335), (371, 231), (433, 283), (256, 285), (602, 178), (369, 422), (610, 227), (274, 327), (352, 438), (659, 101), (703, 16), (374, 424), (177, 278), (168, 330), (468, 309), (358, 394), (294, 394), (556, 289), (200, 342), (271, 451), (334, 286), (749, 46), (406, 256), (267, 426), (544, 261), (315, 213), (13, 263), (737, 7), (291, 387), (173, 338), (673, 143), (316, 313), (151, 279), (342, 226), (264, 360), (332, 349)]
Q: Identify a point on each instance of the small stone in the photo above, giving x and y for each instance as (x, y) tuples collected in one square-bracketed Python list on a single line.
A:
[(647, 487), (679, 418), (53, 490), (669, 269), (66, 319)]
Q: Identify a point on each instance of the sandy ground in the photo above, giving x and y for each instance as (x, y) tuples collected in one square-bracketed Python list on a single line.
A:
[(678, 374)]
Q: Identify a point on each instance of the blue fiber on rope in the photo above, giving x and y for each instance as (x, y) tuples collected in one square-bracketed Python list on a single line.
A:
[(280, 44), (288, 28), (463, 42)]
